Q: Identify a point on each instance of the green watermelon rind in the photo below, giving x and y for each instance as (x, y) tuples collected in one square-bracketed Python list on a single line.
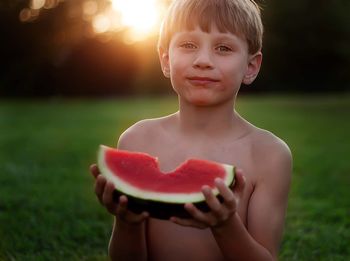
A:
[(164, 205), (177, 198)]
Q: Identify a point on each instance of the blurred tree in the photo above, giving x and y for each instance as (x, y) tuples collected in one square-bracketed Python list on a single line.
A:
[(96, 68), (306, 48), (54, 55), (306, 45)]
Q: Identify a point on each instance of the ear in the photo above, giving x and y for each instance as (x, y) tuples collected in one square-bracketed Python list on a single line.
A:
[(254, 64), (164, 61)]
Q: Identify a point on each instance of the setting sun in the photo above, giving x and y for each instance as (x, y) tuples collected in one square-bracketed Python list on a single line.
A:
[(141, 17), (137, 19)]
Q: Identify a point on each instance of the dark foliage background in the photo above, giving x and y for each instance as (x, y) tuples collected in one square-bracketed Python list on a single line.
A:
[(306, 49)]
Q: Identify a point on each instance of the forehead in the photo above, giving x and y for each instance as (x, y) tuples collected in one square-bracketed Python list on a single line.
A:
[(223, 14), (213, 32), (240, 17)]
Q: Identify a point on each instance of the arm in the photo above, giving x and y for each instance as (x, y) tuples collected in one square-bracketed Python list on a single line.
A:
[(128, 236), (268, 204), (266, 211), (266, 214), (128, 239)]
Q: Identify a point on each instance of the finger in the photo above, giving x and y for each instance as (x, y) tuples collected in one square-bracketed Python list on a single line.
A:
[(212, 201), (122, 206), (100, 187), (124, 214), (94, 170), (143, 216), (227, 194), (188, 222), (107, 198), (195, 213), (224, 190), (240, 181)]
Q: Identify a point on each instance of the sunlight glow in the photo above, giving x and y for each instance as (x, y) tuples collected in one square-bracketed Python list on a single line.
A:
[(90, 8), (32, 12), (136, 19), (51, 4), (101, 24), (138, 14), (141, 17), (25, 15), (37, 4)]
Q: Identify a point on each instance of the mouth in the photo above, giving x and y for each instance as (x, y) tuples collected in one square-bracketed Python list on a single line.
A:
[(200, 81)]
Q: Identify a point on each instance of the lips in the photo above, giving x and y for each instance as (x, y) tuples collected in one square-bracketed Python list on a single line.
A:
[(198, 80)]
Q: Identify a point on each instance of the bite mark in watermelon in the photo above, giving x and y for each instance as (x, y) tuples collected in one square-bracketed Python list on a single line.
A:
[(137, 175)]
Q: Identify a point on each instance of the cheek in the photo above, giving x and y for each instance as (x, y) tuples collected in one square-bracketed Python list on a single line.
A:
[(175, 77), (177, 65), (234, 73), (178, 71)]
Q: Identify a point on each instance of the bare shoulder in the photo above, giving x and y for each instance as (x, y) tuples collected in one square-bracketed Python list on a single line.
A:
[(267, 143), (134, 137), (141, 134), (271, 154), (272, 165)]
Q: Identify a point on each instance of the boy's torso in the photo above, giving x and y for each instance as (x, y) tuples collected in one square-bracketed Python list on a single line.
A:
[(166, 240)]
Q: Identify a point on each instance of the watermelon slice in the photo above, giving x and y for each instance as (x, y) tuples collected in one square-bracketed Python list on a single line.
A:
[(137, 175)]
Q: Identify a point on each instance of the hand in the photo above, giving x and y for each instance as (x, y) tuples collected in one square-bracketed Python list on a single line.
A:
[(219, 213), (104, 192)]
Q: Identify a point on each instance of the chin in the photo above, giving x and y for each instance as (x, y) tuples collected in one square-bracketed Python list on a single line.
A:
[(202, 102)]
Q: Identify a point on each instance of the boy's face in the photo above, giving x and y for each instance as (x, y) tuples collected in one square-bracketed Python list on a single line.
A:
[(208, 68)]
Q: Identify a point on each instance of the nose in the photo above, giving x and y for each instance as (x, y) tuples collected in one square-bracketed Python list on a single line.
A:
[(203, 60)]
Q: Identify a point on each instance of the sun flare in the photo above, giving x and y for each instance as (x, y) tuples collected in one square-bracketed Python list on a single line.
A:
[(137, 19), (141, 17)]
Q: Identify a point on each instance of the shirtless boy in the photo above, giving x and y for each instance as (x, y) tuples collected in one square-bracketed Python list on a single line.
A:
[(208, 48)]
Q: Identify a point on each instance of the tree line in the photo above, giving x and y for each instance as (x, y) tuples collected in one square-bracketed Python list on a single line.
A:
[(306, 49)]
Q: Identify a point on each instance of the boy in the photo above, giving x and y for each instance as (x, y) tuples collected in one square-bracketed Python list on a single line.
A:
[(208, 48)]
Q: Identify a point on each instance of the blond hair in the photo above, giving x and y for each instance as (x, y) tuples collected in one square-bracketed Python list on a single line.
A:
[(241, 17)]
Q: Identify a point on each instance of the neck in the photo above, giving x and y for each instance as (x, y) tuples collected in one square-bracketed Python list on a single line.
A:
[(207, 120)]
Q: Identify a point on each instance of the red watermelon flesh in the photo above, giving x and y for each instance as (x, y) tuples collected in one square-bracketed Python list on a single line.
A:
[(188, 177), (138, 174)]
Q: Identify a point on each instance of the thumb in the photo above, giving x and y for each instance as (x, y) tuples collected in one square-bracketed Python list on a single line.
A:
[(94, 170), (240, 181)]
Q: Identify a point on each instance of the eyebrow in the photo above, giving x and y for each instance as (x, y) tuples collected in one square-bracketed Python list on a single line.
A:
[(225, 38), (220, 36)]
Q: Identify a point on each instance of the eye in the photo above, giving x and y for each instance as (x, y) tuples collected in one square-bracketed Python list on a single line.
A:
[(187, 45), (223, 48)]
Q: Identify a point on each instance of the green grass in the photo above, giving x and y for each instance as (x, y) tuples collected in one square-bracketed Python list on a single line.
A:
[(48, 210)]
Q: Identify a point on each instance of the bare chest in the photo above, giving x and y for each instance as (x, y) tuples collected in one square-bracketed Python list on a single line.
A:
[(172, 154), (168, 241)]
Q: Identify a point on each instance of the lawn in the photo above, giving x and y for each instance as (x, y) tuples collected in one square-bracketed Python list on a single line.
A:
[(48, 210)]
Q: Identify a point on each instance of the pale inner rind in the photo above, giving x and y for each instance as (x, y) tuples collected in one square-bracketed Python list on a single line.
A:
[(131, 190)]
